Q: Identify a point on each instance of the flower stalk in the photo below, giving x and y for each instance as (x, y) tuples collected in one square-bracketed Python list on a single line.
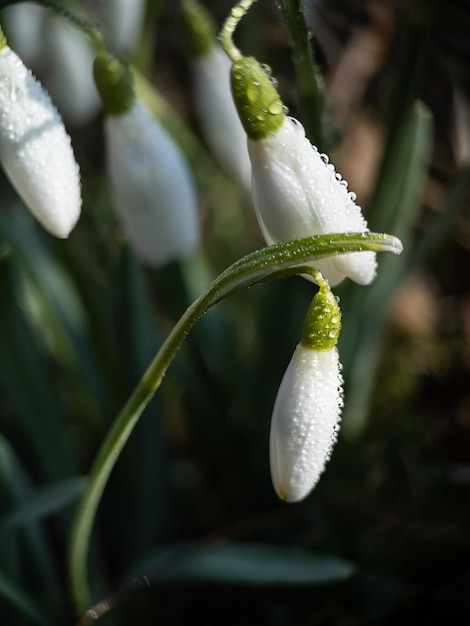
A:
[(268, 263)]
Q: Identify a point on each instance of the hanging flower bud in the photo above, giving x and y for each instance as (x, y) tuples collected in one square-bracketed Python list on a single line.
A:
[(151, 184), (307, 410), (296, 192), (35, 149), (213, 99)]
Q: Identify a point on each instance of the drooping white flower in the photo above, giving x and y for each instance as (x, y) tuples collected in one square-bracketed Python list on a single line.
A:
[(220, 124), (305, 421), (217, 114), (35, 150), (152, 188), (308, 405), (296, 192)]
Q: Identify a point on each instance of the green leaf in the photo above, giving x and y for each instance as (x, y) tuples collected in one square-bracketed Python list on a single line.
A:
[(46, 501), (16, 491), (396, 204), (248, 564), (24, 374), (21, 601)]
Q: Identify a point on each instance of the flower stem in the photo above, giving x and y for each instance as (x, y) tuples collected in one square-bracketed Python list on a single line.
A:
[(309, 82), (90, 29), (268, 263), (230, 24)]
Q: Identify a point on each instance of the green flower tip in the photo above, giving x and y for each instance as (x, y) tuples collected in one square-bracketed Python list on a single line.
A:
[(323, 321), (200, 27), (3, 40), (114, 82), (258, 104)]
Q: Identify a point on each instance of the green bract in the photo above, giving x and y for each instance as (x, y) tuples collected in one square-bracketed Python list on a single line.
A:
[(200, 27), (258, 104), (322, 322), (114, 82)]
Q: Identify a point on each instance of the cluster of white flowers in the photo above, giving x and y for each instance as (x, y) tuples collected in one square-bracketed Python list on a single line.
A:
[(296, 193), (151, 184)]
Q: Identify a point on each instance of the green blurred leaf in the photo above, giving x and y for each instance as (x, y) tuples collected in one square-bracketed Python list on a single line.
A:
[(248, 564), (455, 200), (21, 601), (24, 374), (46, 501), (396, 205), (15, 491)]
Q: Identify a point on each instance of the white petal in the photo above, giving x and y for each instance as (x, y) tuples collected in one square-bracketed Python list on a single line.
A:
[(35, 149), (218, 116), (125, 19), (152, 188), (297, 194), (305, 421)]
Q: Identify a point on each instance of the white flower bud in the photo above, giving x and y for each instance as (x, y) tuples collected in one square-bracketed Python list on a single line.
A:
[(219, 119), (305, 421), (35, 149), (297, 193), (152, 187)]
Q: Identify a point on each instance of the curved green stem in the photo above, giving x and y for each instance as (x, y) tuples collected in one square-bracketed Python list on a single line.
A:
[(309, 81), (295, 257), (88, 28), (230, 24)]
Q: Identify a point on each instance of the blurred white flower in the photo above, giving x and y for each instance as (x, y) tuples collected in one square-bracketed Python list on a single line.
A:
[(24, 24), (70, 81), (297, 193), (305, 421), (152, 187), (218, 116), (35, 149), (124, 20)]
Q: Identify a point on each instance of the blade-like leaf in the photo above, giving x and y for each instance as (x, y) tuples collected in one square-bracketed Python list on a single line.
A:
[(21, 601), (397, 203), (46, 501), (248, 564)]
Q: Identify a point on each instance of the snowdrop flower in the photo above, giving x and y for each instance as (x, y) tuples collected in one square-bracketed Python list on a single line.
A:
[(35, 149), (308, 405), (153, 192), (217, 114), (296, 192)]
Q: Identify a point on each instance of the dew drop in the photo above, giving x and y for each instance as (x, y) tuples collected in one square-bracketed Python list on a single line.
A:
[(324, 157), (275, 107), (353, 196)]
